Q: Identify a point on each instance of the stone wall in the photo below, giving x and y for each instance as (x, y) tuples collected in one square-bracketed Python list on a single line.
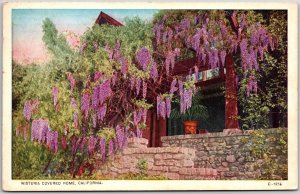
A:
[(171, 162), (224, 152)]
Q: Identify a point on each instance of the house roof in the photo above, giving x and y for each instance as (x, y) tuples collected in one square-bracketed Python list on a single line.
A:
[(103, 18)]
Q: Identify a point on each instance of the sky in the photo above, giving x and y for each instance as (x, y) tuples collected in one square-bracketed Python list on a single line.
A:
[(27, 30)]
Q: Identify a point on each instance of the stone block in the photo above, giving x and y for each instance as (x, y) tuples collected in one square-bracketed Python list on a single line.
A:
[(208, 171), (187, 163), (127, 151), (230, 158), (204, 158), (201, 153), (159, 162), (179, 156), (215, 172), (212, 158), (201, 171), (250, 174), (174, 169), (171, 175), (170, 162), (158, 157), (222, 169), (241, 159), (185, 171), (225, 164), (234, 169)]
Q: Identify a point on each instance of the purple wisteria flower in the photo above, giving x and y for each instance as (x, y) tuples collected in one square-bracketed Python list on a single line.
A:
[(102, 112), (124, 65), (27, 111), (168, 107), (85, 105), (119, 136), (143, 58), (97, 75), (158, 101), (153, 71), (180, 87), (84, 141), (52, 140), (138, 85), (39, 130), (91, 145), (73, 103), (173, 86), (94, 120)]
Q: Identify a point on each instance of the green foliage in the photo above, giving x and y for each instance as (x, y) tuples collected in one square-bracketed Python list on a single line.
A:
[(141, 177), (55, 42), (270, 152), (142, 104), (36, 82), (196, 112), (142, 165), (28, 159), (270, 103)]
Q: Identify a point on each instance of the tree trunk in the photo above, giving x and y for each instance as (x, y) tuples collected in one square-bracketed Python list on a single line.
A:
[(231, 108)]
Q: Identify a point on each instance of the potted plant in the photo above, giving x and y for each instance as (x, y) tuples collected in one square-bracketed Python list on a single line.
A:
[(192, 116)]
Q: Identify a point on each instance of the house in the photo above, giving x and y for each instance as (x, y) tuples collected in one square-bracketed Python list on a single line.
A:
[(210, 82)]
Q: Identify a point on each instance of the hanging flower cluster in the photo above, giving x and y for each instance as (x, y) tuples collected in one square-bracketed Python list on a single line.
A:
[(73, 103), (41, 132), (212, 41), (39, 129), (186, 100), (161, 106), (143, 58), (29, 107), (137, 85), (124, 65), (139, 115), (52, 140), (100, 93), (121, 137), (85, 105), (153, 71), (91, 145)]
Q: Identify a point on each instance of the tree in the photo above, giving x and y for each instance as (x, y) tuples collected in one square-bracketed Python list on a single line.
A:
[(215, 41), (269, 104)]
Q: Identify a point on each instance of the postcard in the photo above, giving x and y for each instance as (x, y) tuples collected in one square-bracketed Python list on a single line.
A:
[(148, 96)]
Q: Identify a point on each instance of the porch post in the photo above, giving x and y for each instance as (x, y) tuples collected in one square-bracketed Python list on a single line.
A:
[(231, 108)]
